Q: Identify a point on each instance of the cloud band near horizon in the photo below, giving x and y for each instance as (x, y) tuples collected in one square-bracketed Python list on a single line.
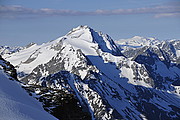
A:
[(16, 11)]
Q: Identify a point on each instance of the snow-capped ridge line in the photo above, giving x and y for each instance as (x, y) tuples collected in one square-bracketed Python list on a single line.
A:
[(139, 41), (90, 38)]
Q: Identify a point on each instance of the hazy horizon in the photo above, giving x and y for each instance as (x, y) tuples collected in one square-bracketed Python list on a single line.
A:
[(23, 22)]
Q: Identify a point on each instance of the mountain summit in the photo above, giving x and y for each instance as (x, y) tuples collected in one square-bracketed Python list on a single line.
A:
[(85, 70), (86, 39)]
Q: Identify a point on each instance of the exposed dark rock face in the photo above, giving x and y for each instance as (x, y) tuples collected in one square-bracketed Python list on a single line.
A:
[(8, 68), (9, 50), (60, 103)]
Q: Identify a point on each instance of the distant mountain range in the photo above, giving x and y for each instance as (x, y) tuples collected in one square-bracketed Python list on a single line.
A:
[(87, 75)]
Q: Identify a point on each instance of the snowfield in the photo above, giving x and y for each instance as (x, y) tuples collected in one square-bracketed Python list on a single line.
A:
[(16, 104)]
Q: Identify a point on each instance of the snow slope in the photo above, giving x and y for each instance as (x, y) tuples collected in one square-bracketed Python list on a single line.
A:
[(16, 104), (26, 60)]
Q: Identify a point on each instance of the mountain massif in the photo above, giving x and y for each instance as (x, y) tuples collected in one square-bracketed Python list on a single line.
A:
[(87, 75)]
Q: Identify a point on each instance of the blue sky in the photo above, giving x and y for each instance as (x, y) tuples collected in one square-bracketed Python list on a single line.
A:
[(25, 21)]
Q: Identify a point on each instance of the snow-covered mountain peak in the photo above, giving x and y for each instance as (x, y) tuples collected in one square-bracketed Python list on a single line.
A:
[(84, 37), (138, 41), (81, 32), (137, 37), (80, 27)]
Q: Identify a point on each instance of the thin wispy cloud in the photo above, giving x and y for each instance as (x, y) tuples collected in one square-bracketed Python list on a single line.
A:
[(167, 15), (15, 11)]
